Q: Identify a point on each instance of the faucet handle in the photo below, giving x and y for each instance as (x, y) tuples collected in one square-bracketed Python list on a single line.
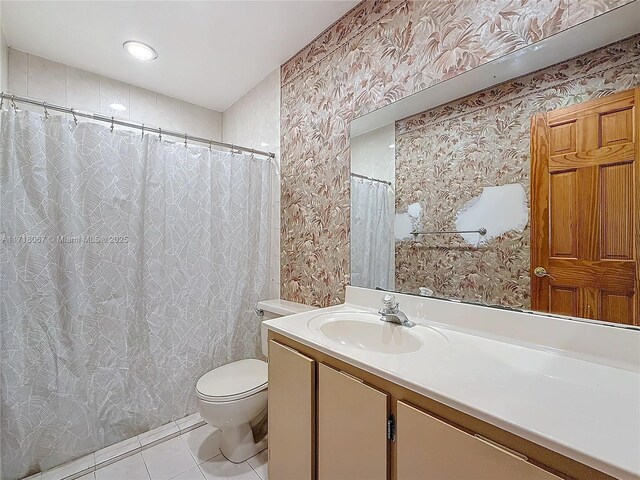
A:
[(389, 301)]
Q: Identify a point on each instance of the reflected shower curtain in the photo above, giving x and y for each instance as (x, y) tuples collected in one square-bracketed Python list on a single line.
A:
[(372, 241), (129, 268)]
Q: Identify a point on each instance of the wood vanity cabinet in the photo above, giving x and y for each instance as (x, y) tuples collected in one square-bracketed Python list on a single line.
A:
[(329, 420)]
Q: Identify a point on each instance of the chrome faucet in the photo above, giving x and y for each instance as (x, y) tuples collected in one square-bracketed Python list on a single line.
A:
[(392, 314)]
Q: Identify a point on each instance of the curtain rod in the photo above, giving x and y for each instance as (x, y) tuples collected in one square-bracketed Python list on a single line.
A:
[(370, 178), (123, 123)]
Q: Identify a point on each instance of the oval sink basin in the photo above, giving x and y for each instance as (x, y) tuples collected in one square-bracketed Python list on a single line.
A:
[(384, 338), (365, 331)]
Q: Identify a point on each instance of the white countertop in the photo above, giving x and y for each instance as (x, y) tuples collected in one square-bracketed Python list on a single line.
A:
[(586, 410)]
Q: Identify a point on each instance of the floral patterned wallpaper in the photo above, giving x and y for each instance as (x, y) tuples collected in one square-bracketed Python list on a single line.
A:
[(445, 156), (379, 52)]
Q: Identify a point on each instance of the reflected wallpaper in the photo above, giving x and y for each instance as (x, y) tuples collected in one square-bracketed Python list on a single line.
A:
[(379, 52), (447, 155)]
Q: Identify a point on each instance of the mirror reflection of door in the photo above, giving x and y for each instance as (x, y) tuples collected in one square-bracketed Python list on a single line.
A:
[(585, 189)]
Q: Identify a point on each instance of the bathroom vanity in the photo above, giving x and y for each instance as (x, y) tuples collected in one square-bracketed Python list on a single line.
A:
[(469, 392)]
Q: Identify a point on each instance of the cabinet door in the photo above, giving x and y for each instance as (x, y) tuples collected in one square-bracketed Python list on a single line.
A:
[(428, 448), (352, 428), (291, 414)]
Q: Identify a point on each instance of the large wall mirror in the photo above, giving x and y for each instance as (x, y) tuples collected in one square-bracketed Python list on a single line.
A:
[(515, 184)]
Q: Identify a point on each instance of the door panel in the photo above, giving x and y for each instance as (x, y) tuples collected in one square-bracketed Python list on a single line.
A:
[(563, 138), (615, 306), (291, 414), (616, 184), (616, 127), (563, 192), (585, 201), (430, 449), (352, 428), (564, 300)]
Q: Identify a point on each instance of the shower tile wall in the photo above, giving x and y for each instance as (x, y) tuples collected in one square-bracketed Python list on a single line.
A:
[(42, 79), (254, 121)]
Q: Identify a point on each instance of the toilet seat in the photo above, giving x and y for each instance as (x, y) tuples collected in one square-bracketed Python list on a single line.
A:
[(233, 381)]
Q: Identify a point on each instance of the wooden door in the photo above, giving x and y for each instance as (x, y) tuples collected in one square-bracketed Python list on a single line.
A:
[(352, 428), (585, 203), (430, 449), (291, 414)]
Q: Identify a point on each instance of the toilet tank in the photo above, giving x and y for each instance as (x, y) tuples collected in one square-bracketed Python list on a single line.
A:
[(277, 308)]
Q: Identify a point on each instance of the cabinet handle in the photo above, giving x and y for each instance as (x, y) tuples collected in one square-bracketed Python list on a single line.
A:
[(506, 450), (351, 376)]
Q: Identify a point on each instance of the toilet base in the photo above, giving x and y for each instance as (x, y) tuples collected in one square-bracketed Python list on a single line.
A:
[(237, 443)]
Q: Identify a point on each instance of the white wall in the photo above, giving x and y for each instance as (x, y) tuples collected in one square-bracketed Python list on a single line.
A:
[(254, 121), (42, 79), (4, 57), (373, 154)]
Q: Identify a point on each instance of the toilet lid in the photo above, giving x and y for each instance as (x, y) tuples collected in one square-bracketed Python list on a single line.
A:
[(232, 379)]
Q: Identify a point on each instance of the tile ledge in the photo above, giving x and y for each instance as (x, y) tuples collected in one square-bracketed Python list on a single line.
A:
[(122, 455)]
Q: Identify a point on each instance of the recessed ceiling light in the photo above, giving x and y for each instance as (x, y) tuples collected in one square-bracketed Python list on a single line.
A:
[(393, 145), (140, 50), (118, 106)]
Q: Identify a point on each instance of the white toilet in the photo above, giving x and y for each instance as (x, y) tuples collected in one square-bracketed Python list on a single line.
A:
[(232, 397)]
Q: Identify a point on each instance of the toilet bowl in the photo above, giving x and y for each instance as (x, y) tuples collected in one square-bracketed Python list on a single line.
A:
[(229, 398), (232, 397)]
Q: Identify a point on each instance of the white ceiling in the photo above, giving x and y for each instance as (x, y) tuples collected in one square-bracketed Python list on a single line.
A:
[(210, 53)]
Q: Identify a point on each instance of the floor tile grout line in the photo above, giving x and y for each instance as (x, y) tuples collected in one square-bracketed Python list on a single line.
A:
[(180, 473), (190, 452), (145, 465), (194, 458), (254, 470), (201, 472), (259, 476)]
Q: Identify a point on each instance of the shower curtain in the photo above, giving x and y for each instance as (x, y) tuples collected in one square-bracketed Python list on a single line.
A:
[(372, 240), (129, 267)]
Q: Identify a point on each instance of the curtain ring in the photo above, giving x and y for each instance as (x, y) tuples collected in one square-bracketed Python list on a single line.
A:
[(209, 145), (46, 112), (112, 125), (143, 130), (1, 100), (185, 140), (75, 119), (13, 103), (159, 134), (233, 147)]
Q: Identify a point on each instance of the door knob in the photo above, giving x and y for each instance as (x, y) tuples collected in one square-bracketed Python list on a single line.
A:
[(541, 272)]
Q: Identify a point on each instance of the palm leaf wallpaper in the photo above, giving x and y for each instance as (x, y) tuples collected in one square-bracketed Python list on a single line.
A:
[(379, 52)]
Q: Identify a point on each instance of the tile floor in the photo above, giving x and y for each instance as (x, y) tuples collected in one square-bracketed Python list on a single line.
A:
[(193, 455)]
